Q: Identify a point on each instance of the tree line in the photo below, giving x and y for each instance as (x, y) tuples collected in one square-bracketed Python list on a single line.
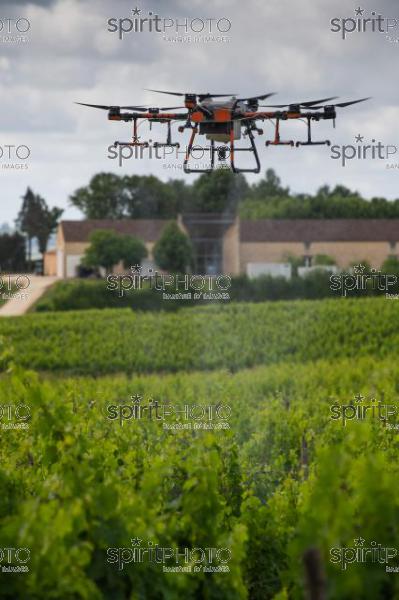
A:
[(111, 196)]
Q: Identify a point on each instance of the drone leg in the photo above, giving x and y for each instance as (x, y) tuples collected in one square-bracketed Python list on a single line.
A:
[(309, 141), (168, 143), (135, 140), (277, 141), (135, 133), (213, 150), (186, 167), (232, 149), (251, 149)]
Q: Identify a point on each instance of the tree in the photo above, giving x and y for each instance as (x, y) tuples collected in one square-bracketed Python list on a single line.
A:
[(173, 251), (391, 266), (37, 220), (133, 251), (104, 250), (108, 248), (12, 252), (28, 218), (324, 260), (110, 196), (103, 198), (47, 224), (147, 197), (218, 192), (270, 186)]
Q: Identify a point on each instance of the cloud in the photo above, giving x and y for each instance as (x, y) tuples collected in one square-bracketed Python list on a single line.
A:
[(25, 3)]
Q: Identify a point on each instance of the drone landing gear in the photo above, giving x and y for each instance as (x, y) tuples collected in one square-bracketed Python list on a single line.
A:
[(252, 149), (186, 167), (168, 143), (277, 141), (222, 153), (309, 141), (135, 141)]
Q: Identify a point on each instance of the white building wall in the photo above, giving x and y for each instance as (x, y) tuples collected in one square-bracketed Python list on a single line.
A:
[(274, 269), (72, 263), (60, 263), (303, 271)]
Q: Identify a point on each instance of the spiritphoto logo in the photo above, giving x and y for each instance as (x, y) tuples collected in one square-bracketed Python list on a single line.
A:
[(14, 158), (171, 559), (13, 287), (14, 560), (173, 287), (172, 156), (179, 30), (171, 416), (14, 416), (366, 23), (365, 150), (362, 280), (362, 408), (14, 30), (362, 553)]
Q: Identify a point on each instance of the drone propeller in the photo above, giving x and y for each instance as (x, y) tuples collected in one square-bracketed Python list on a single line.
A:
[(304, 104), (146, 108), (341, 104), (98, 106), (140, 108), (200, 96), (253, 99)]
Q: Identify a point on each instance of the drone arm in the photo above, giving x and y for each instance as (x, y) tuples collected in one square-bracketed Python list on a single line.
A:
[(261, 115), (164, 116), (309, 142), (168, 143)]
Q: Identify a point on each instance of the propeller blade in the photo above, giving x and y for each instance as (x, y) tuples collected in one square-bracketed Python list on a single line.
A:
[(343, 104), (148, 108), (304, 104), (340, 104), (97, 106), (254, 98), (201, 96), (214, 95), (313, 102), (171, 107), (138, 108), (163, 92)]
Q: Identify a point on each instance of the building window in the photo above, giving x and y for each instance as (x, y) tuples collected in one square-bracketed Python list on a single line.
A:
[(392, 246)]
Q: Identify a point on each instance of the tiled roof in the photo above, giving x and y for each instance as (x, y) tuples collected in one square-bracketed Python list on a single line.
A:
[(148, 230), (320, 230)]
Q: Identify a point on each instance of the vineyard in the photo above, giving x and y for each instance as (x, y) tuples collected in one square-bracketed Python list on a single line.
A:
[(234, 336), (279, 483)]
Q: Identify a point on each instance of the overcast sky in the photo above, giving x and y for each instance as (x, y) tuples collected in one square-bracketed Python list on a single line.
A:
[(280, 46)]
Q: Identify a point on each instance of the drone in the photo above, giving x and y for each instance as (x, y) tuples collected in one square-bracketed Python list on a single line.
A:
[(223, 119)]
